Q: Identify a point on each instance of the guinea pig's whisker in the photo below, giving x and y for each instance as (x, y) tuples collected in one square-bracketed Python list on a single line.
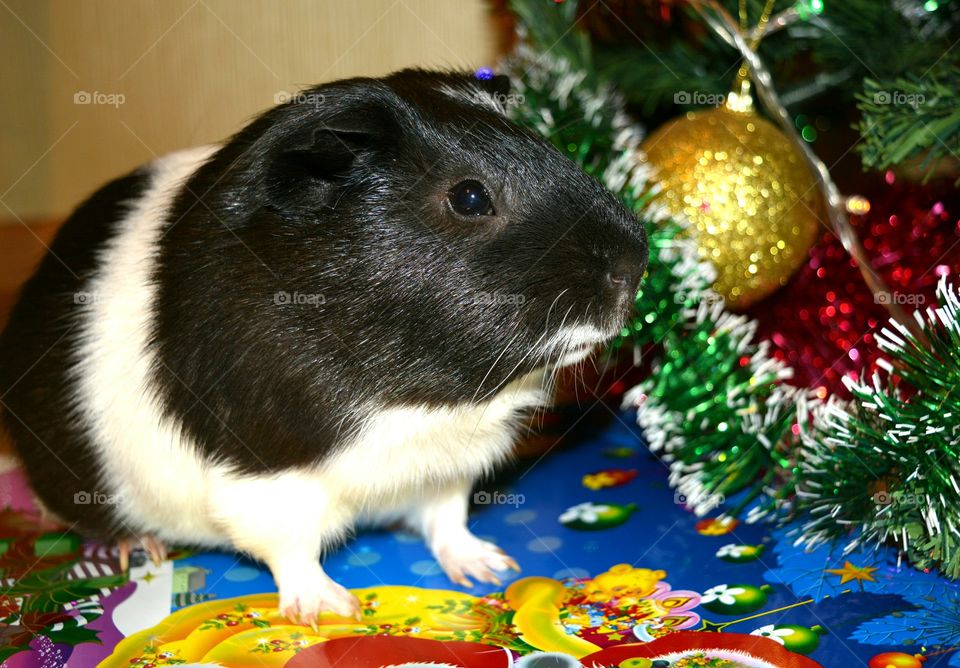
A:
[(592, 358), (494, 390), (549, 382), (565, 340), (490, 370), (546, 326)]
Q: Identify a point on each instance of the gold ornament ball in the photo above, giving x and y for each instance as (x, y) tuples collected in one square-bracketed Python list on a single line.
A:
[(751, 200)]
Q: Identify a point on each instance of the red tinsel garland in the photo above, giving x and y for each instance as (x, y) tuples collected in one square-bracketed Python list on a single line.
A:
[(822, 322)]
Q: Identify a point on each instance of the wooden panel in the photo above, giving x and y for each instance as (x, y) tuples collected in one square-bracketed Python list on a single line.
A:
[(21, 249), (189, 72)]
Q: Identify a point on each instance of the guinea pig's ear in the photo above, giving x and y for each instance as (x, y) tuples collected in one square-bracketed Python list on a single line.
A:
[(322, 150), (497, 86)]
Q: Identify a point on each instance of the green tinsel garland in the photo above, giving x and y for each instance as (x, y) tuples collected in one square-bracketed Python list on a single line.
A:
[(715, 406)]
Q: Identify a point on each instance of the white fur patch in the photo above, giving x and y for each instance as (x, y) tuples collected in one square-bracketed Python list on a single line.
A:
[(578, 335), (406, 451), (157, 481)]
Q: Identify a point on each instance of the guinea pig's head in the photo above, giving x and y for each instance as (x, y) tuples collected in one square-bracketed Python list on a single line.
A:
[(454, 251)]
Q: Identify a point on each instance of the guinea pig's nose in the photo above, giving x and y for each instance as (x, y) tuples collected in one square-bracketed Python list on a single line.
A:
[(625, 275), (618, 280)]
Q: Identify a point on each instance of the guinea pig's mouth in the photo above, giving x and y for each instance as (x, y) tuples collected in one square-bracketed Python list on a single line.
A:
[(574, 344), (576, 355)]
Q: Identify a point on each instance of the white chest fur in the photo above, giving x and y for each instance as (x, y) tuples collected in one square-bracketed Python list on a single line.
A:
[(403, 451)]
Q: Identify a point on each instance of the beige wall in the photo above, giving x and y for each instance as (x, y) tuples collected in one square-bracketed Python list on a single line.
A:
[(189, 72)]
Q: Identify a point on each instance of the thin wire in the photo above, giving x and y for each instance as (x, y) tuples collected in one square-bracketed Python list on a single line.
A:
[(755, 36), (720, 21)]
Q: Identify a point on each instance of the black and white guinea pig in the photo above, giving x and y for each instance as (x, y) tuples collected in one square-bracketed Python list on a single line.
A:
[(338, 317)]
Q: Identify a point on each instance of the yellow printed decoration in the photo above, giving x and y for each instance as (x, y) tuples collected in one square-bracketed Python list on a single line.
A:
[(849, 572), (624, 582), (250, 631), (577, 617), (537, 602)]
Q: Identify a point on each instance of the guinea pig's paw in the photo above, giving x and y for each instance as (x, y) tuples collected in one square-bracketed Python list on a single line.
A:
[(304, 595), (155, 549), (469, 556)]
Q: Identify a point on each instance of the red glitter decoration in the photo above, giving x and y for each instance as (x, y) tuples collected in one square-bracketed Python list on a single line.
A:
[(822, 322)]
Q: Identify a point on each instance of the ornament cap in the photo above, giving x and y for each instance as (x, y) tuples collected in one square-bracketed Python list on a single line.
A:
[(740, 101)]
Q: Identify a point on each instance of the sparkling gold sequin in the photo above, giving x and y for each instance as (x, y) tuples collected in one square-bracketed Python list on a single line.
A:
[(751, 200)]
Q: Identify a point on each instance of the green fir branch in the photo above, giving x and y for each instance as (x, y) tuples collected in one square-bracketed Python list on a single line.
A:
[(909, 117), (886, 468), (827, 54), (713, 408)]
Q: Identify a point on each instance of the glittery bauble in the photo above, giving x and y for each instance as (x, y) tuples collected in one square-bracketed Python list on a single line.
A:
[(896, 660), (752, 201)]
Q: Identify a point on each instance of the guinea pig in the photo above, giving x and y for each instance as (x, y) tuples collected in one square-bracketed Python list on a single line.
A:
[(337, 318)]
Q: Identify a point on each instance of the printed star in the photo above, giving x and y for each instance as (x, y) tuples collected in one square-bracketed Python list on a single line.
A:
[(712, 627), (850, 572)]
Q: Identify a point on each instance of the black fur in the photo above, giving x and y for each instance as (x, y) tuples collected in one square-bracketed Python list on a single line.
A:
[(338, 197), (38, 354)]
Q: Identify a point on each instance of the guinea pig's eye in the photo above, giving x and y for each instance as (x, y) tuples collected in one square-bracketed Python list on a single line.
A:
[(470, 198)]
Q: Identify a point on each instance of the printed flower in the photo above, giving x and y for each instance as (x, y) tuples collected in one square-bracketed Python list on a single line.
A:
[(585, 512), (722, 593), (740, 554), (731, 550), (716, 526), (773, 633)]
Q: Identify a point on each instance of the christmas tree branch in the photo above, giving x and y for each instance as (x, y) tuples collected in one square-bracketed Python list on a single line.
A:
[(908, 117), (835, 39)]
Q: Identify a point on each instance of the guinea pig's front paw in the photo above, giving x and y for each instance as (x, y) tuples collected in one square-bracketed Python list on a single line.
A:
[(304, 595), (154, 548), (461, 556)]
